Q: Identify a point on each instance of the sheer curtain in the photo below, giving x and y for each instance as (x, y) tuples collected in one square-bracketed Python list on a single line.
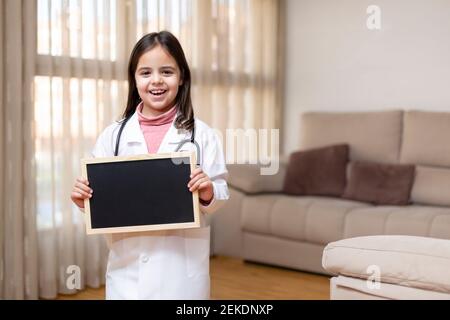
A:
[(18, 255), (79, 90), (64, 80), (234, 49)]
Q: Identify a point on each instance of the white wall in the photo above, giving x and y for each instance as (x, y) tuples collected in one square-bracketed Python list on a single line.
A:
[(334, 63)]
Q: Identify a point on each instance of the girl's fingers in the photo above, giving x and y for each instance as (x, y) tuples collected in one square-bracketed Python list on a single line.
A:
[(82, 180), (195, 185), (83, 194), (196, 172), (83, 187), (195, 179), (200, 184), (77, 196), (204, 185), (81, 191)]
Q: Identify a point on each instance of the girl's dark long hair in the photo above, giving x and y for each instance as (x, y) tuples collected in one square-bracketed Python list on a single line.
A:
[(185, 118)]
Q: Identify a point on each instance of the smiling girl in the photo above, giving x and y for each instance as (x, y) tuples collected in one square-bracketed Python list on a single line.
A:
[(172, 264)]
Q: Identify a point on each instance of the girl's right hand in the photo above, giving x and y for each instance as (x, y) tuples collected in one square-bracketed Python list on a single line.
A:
[(80, 192)]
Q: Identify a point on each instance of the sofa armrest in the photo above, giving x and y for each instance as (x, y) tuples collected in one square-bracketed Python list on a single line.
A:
[(248, 178)]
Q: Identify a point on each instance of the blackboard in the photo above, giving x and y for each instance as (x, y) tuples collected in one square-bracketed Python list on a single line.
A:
[(140, 193)]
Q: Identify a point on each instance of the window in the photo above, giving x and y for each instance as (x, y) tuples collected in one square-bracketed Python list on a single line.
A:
[(78, 91), (80, 84)]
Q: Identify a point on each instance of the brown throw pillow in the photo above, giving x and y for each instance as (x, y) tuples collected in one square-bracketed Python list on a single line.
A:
[(382, 184), (320, 171)]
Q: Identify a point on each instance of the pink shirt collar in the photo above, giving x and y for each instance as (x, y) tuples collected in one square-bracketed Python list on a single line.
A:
[(162, 119)]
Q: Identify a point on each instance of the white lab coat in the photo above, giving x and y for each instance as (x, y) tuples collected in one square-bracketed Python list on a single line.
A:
[(171, 264)]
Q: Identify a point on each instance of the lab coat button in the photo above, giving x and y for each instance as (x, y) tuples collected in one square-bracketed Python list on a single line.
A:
[(144, 259)]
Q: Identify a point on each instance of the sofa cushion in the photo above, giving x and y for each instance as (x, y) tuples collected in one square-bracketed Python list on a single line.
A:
[(372, 136), (314, 219), (426, 138), (440, 227), (413, 220), (320, 171), (380, 183), (367, 221), (410, 261), (322, 220), (431, 186), (249, 179), (256, 212)]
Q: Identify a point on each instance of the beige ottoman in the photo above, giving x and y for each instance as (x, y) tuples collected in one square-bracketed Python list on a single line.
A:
[(388, 267)]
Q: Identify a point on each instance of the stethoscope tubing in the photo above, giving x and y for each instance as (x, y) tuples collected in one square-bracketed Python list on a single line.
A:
[(180, 144)]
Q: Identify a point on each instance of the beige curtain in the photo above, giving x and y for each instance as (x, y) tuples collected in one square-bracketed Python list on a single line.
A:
[(233, 48), (63, 80), (79, 90), (18, 237)]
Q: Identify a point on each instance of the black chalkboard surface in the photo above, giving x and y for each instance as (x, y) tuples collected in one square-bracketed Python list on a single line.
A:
[(140, 193)]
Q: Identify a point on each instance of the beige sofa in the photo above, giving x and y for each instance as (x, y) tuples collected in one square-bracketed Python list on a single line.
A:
[(261, 224)]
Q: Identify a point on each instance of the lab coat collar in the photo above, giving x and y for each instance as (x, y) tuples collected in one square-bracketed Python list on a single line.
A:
[(132, 132)]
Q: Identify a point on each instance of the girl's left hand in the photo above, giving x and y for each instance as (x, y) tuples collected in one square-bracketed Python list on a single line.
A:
[(201, 182)]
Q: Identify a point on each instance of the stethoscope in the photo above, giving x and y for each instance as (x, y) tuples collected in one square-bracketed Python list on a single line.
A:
[(180, 144)]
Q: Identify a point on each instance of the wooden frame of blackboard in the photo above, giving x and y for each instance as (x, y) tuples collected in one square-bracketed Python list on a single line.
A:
[(139, 228)]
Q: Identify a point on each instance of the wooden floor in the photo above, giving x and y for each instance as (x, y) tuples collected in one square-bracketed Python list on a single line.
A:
[(234, 279)]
